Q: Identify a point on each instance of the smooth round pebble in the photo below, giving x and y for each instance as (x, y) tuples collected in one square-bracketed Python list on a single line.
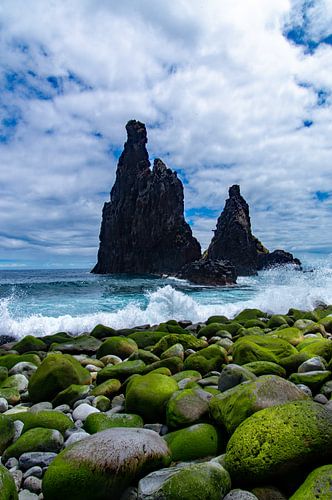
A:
[(240, 495), (43, 459), (44, 405), (27, 495), (320, 398), (18, 428), (3, 405), (82, 412), (305, 389), (34, 471), (33, 484), (76, 436)]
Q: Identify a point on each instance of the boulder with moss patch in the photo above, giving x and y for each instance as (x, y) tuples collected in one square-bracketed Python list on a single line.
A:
[(121, 371), (37, 439), (191, 443), (28, 344), (45, 418), (261, 348), (7, 432), (186, 340), (122, 347), (207, 359), (97, 422), (71, 394), (318, 485), (265, 368), (7, 485), (187, 407)]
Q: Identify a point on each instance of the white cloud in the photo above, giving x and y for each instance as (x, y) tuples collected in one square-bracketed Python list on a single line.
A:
[(225, 95)]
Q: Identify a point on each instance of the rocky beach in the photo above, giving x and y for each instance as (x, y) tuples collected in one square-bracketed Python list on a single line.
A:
[(230, 408)]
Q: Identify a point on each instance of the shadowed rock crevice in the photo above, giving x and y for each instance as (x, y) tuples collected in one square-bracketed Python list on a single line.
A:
[(143, 227)]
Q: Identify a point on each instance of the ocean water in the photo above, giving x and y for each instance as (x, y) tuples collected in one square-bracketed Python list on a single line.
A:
[(40, 302)]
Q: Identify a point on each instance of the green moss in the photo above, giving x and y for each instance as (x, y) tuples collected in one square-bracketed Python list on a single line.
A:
[(191, 443), (56, 337), (292, 335), (275, 443), (75, 345), (7, 432), (187, 341), (12, 395), (261, 348), (102, 331), (211, 329), (277, 320), (194, 374), (187, 407), (71, 394), (327, 323), (174, 365), (3, 374), (265, 368), (147, 396), (170, 328), (37, 439), (47, 419), (235, 405), (108, 388), (121, 371), (97, 422), (217, 319), (318, 485), (292, 362), (146, 356), (314, 379), (251, 323), (174, 350), (10, 360), (319, 348), (206, 360), (117, 346), (147, 338), (163, 370), (56, 373), (7, 485), (249, 314), (29, 343)]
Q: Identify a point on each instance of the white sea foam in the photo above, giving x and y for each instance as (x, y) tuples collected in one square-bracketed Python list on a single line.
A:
[(273, 291)]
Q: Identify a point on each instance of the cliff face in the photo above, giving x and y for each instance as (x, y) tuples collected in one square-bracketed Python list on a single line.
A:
[(234, 241), (143, 228)]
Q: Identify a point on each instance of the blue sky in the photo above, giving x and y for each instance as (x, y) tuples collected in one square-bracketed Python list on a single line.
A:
[(231, 92)]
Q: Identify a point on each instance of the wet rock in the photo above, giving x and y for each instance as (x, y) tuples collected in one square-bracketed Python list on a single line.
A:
[(209, 272)]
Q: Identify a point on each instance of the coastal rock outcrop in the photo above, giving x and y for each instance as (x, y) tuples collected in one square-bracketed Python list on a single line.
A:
[(209, 272), (233, 240), (143, 228)]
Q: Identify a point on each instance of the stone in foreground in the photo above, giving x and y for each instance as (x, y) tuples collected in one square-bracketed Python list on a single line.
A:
[(104, 465)]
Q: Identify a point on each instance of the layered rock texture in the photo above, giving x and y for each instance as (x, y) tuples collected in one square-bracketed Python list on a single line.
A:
[(143, 228), (233, 240)]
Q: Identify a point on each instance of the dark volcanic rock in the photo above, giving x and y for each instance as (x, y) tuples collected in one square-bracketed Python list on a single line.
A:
[(209, 272), (277, 258), (143, 228), (233, 239)]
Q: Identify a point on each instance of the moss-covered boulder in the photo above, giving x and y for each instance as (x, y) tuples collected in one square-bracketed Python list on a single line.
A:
[(192, 374), (102, 466), (314, 379), (291, 363), (56, 373), (318, 485), (265, 368), (203, 481), (186, 340), (147, 396), (102, 331), (10, 360), (121, 371), (261, 348), (212, 329), (321, 348), (277, 320), (191, 443), (17, 381), (84, 344), (327, 323), (292, 335), (174, 350), (47, 419), (3, 374), (37, 439), (122, 347), (248, 314), (279, 442), (7, 432), (147, 338), (11, 394), (233, 375), (97, 422), (71, 394), (28, 344), (7, 485), (109, 388), (232, 407), (187, 407), (174, 364), (207, 359), (146, 356)]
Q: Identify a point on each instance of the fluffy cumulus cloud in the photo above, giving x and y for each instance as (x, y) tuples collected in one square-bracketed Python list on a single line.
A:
[(231, 92)]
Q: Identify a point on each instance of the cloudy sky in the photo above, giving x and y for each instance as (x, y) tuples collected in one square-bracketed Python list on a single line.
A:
[(231, 91)]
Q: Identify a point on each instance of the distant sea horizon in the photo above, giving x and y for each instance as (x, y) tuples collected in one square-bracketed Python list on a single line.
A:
[(44, 301)]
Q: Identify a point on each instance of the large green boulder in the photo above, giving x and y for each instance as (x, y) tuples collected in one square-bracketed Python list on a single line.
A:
[(232, 407), (102, 466), (191, 443), (84, 344), (71, 394), (233, 375), (291, 363), (292, 335), (10, 360), (279, 442), (187, 407), (102, 331), (3, 374), (327, 323), (193, 481), (28, 344), (7, 432), (321, 348), (121, 371), (277, 320), (7, 485), (11, 394), (207, 359), (146, 356), (56, 373), (97, 422), (186, 340), (248, 314), (37, 439), (261, 348), (173, 364), (45, 418), (56, 337), (265, 368), (317, 486), (122, 347), (212, 329), (147, 396)]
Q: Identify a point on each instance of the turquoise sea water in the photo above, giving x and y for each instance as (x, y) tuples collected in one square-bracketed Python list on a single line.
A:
[(40, 302)]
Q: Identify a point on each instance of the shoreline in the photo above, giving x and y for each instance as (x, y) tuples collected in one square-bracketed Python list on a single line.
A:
[(196, 396)]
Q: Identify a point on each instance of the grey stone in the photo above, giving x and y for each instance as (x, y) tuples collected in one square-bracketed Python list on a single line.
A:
[(240, 495), (233, 375), (3, 405), (80, 402), (305, 389), (33, 484), (23, 368), (27, 495), (154, 427), (76, 436), (34, 471), (18, 428), (82, 412), (42, 459), (17, 475), (11, 462), (63, 408), (320, 398), (312, 365), (44, 405)]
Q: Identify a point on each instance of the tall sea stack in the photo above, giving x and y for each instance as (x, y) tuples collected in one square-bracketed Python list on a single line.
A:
[(143, 229)]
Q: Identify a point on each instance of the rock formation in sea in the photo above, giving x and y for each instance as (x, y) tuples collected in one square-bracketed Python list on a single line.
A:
[(233, 240), (143, 228), (209, 272)]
